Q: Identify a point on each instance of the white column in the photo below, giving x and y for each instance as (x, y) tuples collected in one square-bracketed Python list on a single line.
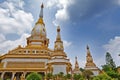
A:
[(24, 73), (2, 75), (13, 75)]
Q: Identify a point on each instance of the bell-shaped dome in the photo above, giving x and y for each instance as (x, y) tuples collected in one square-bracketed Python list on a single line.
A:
[(39, 30)]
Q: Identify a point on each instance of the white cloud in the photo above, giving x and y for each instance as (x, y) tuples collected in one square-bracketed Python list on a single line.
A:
[(66, 43), (17, 3), (62, 14), (119, 2), (62, 5), (14, 19), (9, 44), (51, 3), (2, 38), (113, 47)]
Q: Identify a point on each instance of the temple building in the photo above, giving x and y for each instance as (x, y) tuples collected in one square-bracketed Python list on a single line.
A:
[(35, 56), (90, 65)]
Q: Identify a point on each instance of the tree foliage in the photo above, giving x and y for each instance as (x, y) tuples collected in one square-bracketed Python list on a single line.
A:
[(77, 76), (109, 61), (106, 68), (102, 77), (49, 76), (34, 76), (110, 68), (68, 76)]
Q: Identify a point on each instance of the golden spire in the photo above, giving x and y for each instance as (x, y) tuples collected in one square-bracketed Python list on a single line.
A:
[(88, 51), (89, 59), (40, 20), (58, 42), (76, 63), (76, 69)]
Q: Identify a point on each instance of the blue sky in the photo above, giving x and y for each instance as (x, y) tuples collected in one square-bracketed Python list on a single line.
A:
[(83, 22)]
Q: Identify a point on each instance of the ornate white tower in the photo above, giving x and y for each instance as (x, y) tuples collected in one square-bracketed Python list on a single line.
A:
[(59, 61), (38, 34), (58, 46)]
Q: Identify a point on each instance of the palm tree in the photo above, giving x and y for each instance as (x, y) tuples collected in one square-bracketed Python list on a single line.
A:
[(87, 74)]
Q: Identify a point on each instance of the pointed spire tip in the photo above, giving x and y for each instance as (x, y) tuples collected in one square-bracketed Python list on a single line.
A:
[(42, 6), (87, 47), (41, 11), (58, 28), (76, 57)]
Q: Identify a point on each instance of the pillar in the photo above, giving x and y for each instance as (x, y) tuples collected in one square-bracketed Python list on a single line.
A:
[(24, 74), (2, 75), (13, 75)]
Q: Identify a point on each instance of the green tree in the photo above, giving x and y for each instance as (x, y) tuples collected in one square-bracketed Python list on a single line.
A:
[(87, 74), (119, 76), (102, 77), (106, 68), (77, 76), (111, 72), (110, 67), (81, 69), (54, 77), (49, 76), (68, 76), (61, 75), (34, 76), (109, 61)]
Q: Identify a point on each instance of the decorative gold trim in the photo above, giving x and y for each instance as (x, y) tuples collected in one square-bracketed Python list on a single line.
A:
[(23, 69), (40, 21)]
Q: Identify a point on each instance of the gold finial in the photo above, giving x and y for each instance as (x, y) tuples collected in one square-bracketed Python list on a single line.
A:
[(58, 29), (58, 38)]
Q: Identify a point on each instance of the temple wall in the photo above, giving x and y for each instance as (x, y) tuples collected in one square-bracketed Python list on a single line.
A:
[(24, 60), (59, 60), (59, 68)]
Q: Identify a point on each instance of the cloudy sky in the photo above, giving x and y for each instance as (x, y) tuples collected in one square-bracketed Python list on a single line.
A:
[(83, 22)]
